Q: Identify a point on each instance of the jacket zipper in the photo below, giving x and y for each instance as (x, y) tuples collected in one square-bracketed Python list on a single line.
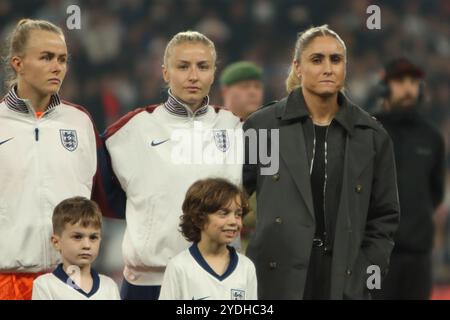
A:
[(325, 186), (314, 151), (46, 263), (326, 176)]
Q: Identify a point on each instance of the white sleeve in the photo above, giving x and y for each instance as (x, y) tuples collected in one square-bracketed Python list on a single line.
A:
[(124, 163), (170, 288), (239, 141), (115, 295), (252, 283), (40, 291)]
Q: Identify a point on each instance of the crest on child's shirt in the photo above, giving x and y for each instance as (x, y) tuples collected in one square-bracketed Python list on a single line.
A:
[(69, 139), (221, 140), (237, 294)]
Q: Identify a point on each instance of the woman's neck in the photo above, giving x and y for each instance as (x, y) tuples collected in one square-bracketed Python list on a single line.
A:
[(194, 107), (321, 109), (38, 102)]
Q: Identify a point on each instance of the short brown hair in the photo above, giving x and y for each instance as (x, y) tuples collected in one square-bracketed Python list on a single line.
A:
[(74, 210), (205, 197)]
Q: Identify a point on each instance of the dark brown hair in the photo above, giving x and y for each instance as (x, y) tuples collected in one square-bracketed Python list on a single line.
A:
[(205, 197), (74, 210)]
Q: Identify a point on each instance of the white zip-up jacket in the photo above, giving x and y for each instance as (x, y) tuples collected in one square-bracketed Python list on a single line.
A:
[(43, 161), (156, 154)]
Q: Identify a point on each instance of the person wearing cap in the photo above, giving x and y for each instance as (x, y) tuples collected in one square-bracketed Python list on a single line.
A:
[(419, 155), (242, 88)]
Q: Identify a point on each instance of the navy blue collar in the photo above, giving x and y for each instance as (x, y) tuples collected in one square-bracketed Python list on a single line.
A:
[(195, 252), (178, 108), (62, 275), (15, 103)]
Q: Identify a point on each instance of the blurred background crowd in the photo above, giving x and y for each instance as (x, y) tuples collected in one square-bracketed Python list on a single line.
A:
[(116, 57)]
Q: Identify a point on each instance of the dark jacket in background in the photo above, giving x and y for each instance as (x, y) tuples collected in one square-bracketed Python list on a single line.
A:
[(420, 160)]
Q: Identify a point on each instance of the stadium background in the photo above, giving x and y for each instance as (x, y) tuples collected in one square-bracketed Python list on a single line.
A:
[(116, 56)]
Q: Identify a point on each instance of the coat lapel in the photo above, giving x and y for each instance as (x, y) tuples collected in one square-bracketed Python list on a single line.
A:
[(293, 152), (342, 242), (360, 153), (357, 157)]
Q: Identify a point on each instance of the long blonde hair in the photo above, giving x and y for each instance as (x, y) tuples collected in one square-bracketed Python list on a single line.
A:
[(17, 42), (303, 41)]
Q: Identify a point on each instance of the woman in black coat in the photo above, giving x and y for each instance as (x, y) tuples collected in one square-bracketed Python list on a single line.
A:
[(327, 216)]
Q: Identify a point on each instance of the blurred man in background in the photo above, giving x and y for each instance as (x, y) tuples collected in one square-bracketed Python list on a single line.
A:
[(419, 153), (242, 92), (242, 88)]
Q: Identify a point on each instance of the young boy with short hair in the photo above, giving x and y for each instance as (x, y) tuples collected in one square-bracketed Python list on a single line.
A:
[(77, 224), (210, 268)]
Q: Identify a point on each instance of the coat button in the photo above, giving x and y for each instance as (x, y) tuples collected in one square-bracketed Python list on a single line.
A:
[(272, 265), (348, 272), (276, 177), (358, 188), (278, 220)]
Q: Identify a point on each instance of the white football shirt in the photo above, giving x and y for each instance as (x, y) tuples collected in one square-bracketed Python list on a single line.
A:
[(58, 286), (189, 277)]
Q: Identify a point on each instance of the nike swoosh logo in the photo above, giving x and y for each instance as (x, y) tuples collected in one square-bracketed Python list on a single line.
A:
[(156, 143), (200, 298), (6, 140)]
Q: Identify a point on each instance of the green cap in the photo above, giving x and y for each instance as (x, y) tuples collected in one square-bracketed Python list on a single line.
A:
[(239, 71)]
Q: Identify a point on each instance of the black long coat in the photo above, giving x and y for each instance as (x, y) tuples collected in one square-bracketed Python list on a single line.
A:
[(367, 216)]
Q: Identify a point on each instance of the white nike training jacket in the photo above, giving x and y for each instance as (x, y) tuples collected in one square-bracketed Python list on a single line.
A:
[(43, 161), (156, 154)]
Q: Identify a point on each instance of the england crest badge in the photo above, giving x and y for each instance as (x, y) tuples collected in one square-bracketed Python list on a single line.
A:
[(221, 140), (69, 139), (237, 294)]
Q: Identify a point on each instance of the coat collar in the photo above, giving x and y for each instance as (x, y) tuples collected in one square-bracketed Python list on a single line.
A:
[(348, 116), (178, 108), (17, 104), (357, 153)]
